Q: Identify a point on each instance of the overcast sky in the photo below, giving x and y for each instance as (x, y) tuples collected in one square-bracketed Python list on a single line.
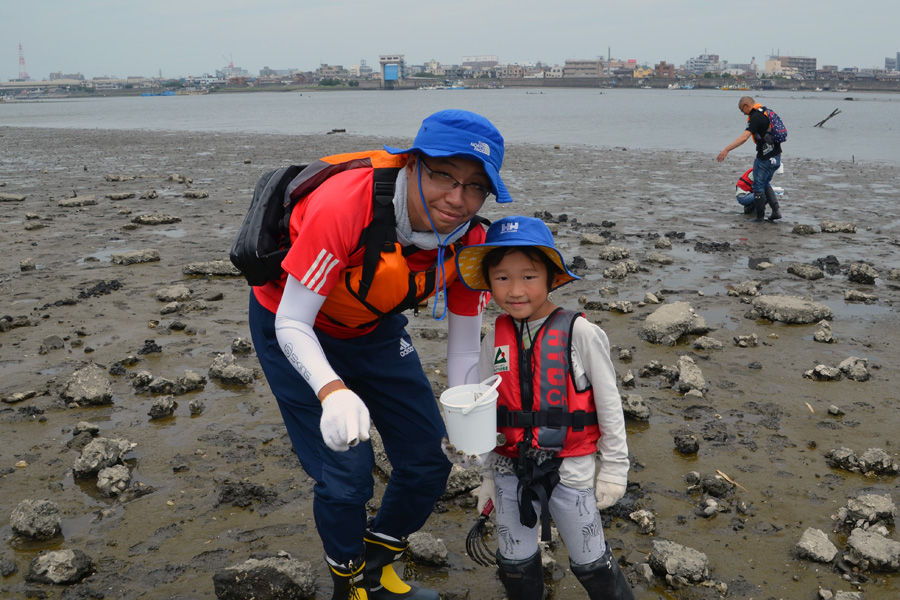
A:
[(192, 37)]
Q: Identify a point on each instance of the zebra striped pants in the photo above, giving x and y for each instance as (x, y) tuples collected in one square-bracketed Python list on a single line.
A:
[(574, 513)]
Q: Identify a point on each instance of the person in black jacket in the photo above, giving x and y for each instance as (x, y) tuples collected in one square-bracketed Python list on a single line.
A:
[(768, 157)]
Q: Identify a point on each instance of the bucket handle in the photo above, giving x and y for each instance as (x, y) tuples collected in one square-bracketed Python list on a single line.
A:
[(497, 379)]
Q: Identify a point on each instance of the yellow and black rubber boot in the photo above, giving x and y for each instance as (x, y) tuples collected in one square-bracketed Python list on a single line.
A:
[(351, 581), (385, 584)]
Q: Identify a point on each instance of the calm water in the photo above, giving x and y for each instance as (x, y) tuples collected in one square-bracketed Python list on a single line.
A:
[(676, 120)]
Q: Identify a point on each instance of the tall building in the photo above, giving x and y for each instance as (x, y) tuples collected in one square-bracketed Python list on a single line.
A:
[(805, 65), (705, 63), (583, 68)]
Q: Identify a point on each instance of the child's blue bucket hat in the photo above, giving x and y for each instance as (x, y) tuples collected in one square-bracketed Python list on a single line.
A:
[(510, 231)]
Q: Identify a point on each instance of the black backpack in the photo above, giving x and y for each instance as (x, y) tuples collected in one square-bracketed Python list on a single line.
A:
[(264, 240)]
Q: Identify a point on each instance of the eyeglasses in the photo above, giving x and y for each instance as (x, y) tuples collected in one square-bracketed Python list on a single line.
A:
[(446, 182)]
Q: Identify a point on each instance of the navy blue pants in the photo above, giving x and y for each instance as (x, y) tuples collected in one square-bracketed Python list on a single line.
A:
[(388, 376)]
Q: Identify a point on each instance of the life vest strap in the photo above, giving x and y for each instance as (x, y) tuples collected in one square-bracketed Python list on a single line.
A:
[(555, 418)]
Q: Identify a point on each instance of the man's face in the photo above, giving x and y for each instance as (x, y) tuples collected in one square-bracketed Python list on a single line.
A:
[(745, 108), (454, 189)]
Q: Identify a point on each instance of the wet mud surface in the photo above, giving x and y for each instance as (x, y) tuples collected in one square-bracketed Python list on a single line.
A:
[(224, 484)]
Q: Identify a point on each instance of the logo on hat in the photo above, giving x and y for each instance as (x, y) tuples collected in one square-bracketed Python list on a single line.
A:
[(509, 227), (482, 147)]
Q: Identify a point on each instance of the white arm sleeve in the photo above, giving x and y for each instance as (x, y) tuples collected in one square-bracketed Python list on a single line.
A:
[(463, 347), (294, 330)]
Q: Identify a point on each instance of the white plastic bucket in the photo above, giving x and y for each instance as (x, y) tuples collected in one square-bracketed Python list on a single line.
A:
[(470, 412)]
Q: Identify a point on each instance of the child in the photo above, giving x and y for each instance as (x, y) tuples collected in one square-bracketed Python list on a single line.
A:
[(558, 403), (743, 193)]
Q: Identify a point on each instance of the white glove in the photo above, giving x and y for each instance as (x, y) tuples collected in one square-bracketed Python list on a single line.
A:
[(345, 420), (607, 493), (486, 489)]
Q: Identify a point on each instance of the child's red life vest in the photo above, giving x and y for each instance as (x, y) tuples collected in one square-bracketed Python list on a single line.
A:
[(746, 181), (560, 417)]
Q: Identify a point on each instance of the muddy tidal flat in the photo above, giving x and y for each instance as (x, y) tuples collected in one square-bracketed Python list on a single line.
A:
[(757, 364)]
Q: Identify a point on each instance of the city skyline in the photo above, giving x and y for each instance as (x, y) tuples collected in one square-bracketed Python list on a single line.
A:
[(191, 37)]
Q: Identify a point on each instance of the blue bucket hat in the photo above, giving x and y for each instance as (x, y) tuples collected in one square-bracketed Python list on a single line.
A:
[(466, 134), (510, 231)]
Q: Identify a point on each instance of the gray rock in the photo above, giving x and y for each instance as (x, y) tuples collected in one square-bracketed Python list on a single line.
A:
[(660, 259), (593, 239), (196, 406), (427, 549), (873, 508), (121, 196), (189, 382), (155, 219), (830, 226), (686, 442), (241, 346), (27, 264), (50, 343), (881, 553), (162, 407), (613, 253), (671, 559), (619, 271), (150, 195), (690, 377), (707, 343), (791, 309), (622, 306), (746, 288), (814, 545), (197, 194), (279, 577), (823, 373), (225, 371), (77, 201), (669, 322), (633, 406), (746, 341), (663, 243), (6, 197), (173, 293), (803, 230), (810, 272), (112, 481), (136, 257), (858, 296), (222, 268), (644, 519), (862, 273), (36, 520), (855, 368), (59, 567), (101, 453), (824, 333), (87, 386)]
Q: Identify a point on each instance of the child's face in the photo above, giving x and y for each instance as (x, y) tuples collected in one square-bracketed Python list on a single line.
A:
[(519, 286)]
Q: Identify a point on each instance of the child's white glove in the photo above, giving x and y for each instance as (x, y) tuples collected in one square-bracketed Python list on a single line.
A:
[(607, 493), (486, 489), (345, 420)]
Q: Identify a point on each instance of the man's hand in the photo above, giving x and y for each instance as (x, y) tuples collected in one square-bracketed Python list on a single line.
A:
[(345, 420), (607, 493), (722, 155)]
